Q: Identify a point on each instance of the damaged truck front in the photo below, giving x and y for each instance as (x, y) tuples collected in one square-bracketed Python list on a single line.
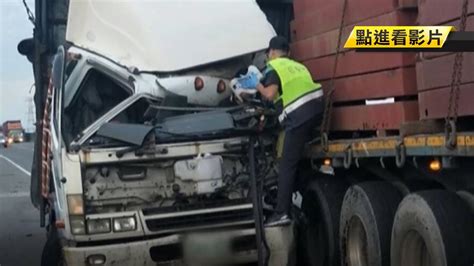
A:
[(148, 156)]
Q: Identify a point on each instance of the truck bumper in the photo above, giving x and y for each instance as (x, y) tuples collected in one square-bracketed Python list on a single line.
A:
[(165, 250)]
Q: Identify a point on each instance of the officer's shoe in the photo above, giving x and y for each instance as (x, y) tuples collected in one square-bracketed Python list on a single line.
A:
[(278, 219)]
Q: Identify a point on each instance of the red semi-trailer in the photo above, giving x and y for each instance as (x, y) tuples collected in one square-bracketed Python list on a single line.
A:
[(398, 184)]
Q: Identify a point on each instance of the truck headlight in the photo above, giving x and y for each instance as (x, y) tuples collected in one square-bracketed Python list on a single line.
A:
[(20, 139), (77, 225), (98, 226), (124, 224), (76, 214), (75, 204)]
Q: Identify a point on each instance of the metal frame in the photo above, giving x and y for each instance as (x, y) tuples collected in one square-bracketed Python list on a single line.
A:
[(418, 145)]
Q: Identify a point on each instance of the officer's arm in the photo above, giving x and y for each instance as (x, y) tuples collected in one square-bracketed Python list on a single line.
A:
[(270, 92)]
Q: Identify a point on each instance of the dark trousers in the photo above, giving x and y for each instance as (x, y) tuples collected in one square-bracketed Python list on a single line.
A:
[(293, 147)]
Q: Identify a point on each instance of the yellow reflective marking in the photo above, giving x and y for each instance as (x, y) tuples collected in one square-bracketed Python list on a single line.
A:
[(469, 140), (415, 141), (375, 145), (461, 141), (388, 144), (435, 141), (338, 147)]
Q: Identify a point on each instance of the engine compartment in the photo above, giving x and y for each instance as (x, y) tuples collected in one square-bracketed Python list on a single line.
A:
[(175, 182)]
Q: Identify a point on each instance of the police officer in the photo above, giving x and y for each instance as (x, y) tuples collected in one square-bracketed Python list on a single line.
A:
[(300, 103)]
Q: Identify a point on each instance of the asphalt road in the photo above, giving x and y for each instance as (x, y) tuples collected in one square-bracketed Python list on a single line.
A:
[(21, 238)]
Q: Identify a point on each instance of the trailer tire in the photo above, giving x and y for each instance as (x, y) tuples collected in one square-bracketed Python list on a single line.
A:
[(52, 251), (468, 197), (321, 207), (366, 223), (432, 228)]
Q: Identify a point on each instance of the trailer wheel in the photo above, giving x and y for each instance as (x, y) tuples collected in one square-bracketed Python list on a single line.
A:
[(366, 222), (52, 251), (433, 228), (320, 230), (468, 197)]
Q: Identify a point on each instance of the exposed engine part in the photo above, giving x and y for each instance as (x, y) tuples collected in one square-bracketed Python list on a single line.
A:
[(165, 183), (205, 171)]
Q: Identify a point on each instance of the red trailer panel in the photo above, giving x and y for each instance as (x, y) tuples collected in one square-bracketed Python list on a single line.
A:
[(374, 117), (455, 23), (435, 12), (437, 72), (299, 7), (434, 103), (317, 46), (322, 20), (408, 3), (390, 83), (318, 18), (326, 43), (353, 63), (303, 7)]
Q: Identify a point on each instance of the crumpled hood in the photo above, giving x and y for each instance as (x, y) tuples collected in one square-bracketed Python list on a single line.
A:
[(168, 35)]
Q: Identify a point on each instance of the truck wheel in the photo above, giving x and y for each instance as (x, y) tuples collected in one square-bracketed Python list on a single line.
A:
[(321, 207), (52, 251), (433, 228), (468, 197), (366, 223)]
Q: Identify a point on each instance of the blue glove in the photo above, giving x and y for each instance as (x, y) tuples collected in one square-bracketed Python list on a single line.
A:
[(249, 81)]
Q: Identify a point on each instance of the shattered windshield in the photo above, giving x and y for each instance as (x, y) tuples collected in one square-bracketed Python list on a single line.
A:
[(97, 95), (172, 119)]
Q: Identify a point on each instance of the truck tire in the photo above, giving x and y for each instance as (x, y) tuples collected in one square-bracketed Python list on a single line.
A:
[(320, 229), (52, 251), (468, 197), (434, 228), (366, 223)]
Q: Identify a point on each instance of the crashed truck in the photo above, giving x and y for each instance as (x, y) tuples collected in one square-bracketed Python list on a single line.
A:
[(142, 158)]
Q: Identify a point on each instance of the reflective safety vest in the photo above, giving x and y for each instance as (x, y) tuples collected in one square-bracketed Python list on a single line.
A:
[(296, 81)]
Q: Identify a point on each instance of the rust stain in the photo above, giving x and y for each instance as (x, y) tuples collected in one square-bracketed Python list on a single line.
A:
[(86, 156)]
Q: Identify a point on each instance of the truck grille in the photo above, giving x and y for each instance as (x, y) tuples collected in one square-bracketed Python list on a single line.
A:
[(177, 220)]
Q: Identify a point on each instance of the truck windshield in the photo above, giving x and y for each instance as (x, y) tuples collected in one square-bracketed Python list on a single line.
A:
[(171, 120), (97, 95), (15, 133)]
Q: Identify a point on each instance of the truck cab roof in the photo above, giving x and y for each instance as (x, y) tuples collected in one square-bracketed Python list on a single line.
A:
[(168, 36)]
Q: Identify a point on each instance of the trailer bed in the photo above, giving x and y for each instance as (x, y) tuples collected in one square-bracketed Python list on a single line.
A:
[(417, 145)]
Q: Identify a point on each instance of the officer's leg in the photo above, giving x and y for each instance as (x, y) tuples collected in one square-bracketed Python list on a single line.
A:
[(293, 147)]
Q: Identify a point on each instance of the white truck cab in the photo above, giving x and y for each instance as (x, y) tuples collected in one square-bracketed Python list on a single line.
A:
[(149, 162)]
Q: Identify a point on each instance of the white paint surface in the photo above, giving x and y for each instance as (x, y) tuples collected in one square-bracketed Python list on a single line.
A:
[(168, 35)]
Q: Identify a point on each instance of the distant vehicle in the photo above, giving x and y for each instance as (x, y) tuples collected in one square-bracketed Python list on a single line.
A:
[(13, 130), (3, 140)]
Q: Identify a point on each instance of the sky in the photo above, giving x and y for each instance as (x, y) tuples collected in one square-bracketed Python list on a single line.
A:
[(16, 72)]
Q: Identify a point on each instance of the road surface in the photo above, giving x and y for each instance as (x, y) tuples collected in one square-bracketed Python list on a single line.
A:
[(21, 238)]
